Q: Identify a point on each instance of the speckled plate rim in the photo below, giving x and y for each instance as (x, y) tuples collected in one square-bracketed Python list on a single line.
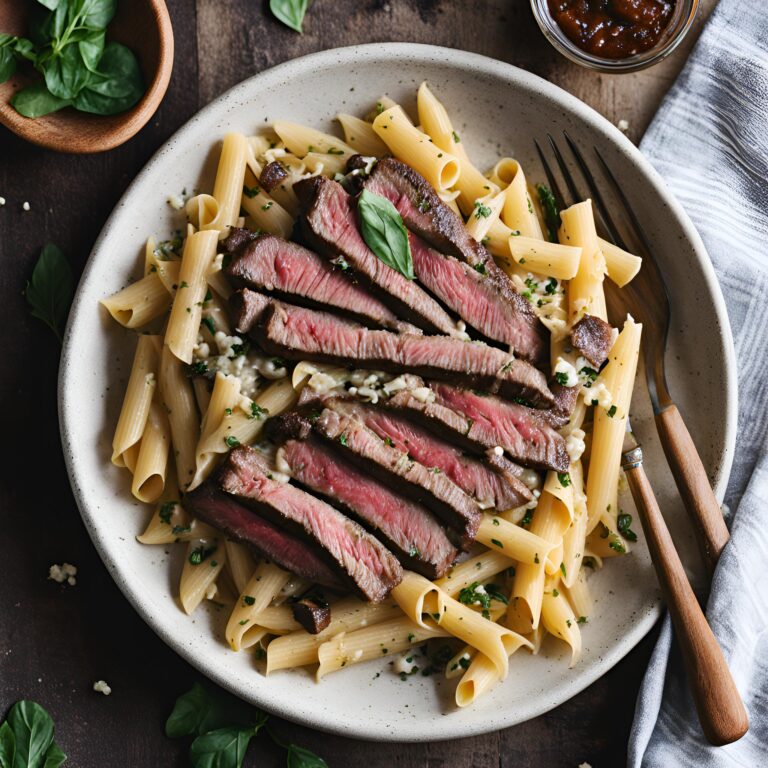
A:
[(517, 78)]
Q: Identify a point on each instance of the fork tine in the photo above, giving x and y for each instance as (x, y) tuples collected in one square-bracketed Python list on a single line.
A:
[(611, 229), (569, 182), (551, 180), (639, 231)]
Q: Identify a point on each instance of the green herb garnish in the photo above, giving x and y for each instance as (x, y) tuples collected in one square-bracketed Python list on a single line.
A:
[(49, 292), (290, 12), (384, 232)]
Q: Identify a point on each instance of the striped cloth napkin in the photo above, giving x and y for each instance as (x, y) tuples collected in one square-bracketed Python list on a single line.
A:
[(710, 142)]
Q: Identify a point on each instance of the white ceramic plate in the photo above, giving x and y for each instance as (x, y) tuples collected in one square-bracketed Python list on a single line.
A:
[(498, 110)]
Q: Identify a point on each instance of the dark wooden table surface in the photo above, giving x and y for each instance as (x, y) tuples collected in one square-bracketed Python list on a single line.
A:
[(55, 641)]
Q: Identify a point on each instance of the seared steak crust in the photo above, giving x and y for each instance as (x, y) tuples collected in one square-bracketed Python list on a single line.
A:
[(593, 337)]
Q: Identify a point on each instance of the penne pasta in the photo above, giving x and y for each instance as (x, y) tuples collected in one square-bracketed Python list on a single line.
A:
[(203, 562), (152, 462), (361, 137), (518, 213), (301, 140), (136, 402), (545, 258), (186, 312), (413, 147), (139, 303), (620, 265), (267, 214)]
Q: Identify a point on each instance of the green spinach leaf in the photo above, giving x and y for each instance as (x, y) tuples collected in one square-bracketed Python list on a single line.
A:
[(7, 57), (49, 292), (7, 746), (290, 12), (298, 757), (116, 86), (199, 711), (223, 748), (33, 733), (91, 50), (36, 100), (384, 232), (66, 74), (54, 757), (94, 14)]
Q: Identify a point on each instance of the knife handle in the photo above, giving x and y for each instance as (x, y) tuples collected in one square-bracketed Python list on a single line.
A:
[(721, 711), (693, 484)]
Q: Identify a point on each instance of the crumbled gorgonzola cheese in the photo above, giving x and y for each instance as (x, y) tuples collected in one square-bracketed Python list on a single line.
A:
[(423, 394), (405, 663), (100, 686), (565, 368), (26, 206), (65, 572), (574, 444)]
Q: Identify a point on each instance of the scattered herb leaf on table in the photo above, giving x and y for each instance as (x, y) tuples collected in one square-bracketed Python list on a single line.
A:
[(49, 292), (26, 738), (290, 12)]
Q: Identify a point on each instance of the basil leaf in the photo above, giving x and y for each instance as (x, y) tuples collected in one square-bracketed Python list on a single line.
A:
[(91, 50), (7, 746), (33, 732), (290, 12), (54, 757), (49, 292), (116, 87), (224, 748), (199, 711), (298, 757), (52, 5), (94, 14), (35, 101), (66, 74), (384, 232), (7, 59), (24, 49)]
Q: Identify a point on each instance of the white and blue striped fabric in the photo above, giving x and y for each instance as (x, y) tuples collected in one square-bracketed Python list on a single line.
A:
[(710, 142)]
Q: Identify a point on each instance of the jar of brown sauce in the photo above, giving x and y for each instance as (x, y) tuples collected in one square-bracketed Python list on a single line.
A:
[(613, 29)]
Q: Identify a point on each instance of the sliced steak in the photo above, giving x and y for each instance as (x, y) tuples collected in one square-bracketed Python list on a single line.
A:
[(313, 614), (492, 307), (329, 224), (407, 528), (487, 485), (565, 401), (522, 432), (432, 489), (431, 219), (593, 337), (237, 238), (304, 334), (285, 269), (272, 174), (226, 513), (368, 565), (247, 308)]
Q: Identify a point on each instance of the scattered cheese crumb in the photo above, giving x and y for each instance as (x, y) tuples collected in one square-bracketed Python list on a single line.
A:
[(176, 202), (498, 450), (100, 686), (584, 765), (623, 126), (405, 664), (64, 572), (26, 206), (2, 201)]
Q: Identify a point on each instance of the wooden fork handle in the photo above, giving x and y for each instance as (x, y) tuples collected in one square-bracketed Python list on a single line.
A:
[(693, 485), (721, 711)]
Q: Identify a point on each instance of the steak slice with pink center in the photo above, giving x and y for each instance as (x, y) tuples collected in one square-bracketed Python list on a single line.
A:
[(288, 270), (371, 568), (239, 523), (407, 528), (425, 214), (490, 486), (305, 334), (329, 224), (433, 489)]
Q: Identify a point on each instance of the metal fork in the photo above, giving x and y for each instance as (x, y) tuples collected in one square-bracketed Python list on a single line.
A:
[(647, 299)]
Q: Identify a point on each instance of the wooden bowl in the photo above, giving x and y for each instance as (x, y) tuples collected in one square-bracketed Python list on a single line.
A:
[(145, 27)]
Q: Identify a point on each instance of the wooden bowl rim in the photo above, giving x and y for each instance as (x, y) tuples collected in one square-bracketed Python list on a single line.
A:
[(129, 123)]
